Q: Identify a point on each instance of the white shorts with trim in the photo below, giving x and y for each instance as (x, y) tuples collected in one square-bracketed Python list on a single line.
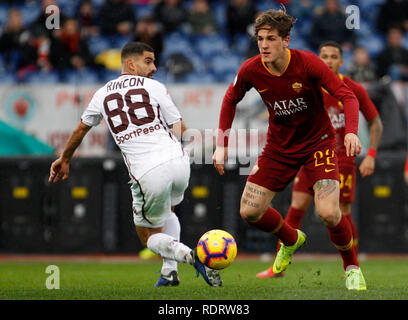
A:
[(158, 190)]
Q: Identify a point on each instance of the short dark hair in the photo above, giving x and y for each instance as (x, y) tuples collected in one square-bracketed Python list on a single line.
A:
[(331, 43), (275, 19), (134, 48)]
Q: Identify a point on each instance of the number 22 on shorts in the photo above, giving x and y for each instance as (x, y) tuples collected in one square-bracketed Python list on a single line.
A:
[(320, 157)]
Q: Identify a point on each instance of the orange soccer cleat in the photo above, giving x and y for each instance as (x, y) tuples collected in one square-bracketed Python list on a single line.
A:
[(268, 273)]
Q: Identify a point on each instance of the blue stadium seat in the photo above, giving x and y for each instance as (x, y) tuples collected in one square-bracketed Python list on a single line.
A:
[(118, 41), (241, 43), (222, 64), (199, 64), (43, 78), (3, 15), (298, 43), (161, 75), (108, 75), (266, 5), (405, 40), (200, 78), (142, 10), (369, 10), (30, 12), (85, 76), (366, 29), (367, 4), (176, 43), (347, 60), (97, 44), (8, 78), (68, 7), (208, 46), (303, 26), (226, 77), (374, 44), (2, 65), (219, 9), (98, 3)]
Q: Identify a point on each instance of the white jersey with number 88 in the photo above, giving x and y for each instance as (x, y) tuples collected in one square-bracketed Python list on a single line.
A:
[(138, 112)]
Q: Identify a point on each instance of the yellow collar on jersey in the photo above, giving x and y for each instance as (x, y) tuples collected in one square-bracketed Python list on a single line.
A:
[(263, 63)]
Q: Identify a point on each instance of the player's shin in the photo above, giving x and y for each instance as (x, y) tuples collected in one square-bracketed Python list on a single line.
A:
[(169, 248), (294, 219), (272, 222), (172, 228), (353, 231), (341, 236)]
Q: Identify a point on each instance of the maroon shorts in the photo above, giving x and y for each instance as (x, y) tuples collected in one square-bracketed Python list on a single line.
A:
[(347, 182), (277, 172)]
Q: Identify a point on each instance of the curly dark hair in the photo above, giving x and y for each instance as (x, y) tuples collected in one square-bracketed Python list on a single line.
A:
[(275, 19)]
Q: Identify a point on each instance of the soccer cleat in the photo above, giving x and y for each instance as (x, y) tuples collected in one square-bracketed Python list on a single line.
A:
[(284, 255), (355, 280), (269, 274), (211, 276), (170, 280)]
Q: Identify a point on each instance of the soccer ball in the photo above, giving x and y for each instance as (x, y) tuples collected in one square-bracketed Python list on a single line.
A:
[(217, 249)]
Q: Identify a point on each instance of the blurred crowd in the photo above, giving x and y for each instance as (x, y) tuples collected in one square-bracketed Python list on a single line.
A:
[(27, 48)]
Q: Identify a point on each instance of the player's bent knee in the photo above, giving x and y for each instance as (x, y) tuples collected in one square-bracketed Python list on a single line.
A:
[(145, 234), (250, 214), (301, 200), (154, 242), (330, 215)]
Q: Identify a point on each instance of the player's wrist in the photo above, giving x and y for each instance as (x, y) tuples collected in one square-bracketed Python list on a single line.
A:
[(372, 152)]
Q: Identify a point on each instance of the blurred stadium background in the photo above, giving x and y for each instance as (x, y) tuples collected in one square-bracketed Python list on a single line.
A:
[(47, 77)]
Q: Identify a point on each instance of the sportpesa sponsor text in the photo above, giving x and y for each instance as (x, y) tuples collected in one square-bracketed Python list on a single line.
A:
[(136, 133)]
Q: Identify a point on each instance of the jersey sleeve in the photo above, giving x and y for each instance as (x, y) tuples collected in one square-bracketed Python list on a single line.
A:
[(235, 92), (337, 88), (168, 109), (367, 107), (92, 115)]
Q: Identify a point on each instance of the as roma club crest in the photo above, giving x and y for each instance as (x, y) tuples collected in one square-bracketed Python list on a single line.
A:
[(297, 86)]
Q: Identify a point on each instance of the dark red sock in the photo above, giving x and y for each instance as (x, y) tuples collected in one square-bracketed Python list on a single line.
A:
[(353, 231), (294, 219), (272, 222), (342, 238)]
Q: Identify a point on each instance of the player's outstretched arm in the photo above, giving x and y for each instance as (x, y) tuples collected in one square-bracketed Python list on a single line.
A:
[(352, 144), (219, 157), (367, 166), (60, 167)]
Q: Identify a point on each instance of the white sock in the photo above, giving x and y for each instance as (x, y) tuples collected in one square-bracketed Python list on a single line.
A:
[(172, 228), (169, 248)]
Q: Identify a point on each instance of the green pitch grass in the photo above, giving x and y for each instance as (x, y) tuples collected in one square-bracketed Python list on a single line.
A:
[(304, 280)]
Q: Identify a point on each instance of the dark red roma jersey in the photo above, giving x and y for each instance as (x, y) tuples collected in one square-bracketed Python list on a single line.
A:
[(298, 120)]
